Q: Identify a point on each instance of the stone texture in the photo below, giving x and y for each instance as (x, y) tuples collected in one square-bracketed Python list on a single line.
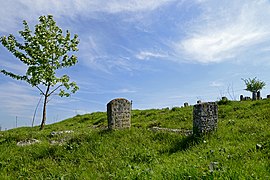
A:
[(205, 118), (185, 104), (119, 113)]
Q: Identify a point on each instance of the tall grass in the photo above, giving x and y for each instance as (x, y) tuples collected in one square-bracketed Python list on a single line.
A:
[(240, 149)]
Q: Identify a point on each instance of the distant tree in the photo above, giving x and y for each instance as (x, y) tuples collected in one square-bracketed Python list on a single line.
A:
[(254, 86), (44, 51)]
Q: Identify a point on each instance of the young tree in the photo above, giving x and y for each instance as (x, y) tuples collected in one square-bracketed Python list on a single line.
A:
[(254, 86), (44, 51)]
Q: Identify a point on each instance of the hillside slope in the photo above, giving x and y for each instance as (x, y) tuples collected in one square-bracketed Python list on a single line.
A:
[(82, 148)]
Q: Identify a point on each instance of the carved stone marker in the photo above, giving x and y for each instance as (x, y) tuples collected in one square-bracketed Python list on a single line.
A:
[(205, 118), (119, 113), (268, 96), (185, 104)]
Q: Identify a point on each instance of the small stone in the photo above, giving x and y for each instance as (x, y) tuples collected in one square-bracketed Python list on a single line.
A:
[(54, 133), (258, 146), (213, 166), (27, 142)]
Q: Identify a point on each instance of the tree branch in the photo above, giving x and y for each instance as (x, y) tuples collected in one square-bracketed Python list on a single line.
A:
[(55, 89), (40, 90)]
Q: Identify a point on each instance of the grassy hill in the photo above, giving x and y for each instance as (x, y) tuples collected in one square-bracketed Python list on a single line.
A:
[(240, 149)]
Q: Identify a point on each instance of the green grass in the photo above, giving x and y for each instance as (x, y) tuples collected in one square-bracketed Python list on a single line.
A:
[(92, 152)]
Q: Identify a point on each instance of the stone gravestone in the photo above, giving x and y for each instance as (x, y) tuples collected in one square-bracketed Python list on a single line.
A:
[(268, 96), (119, 113), (205, 118), (254, 96), (241, 97), (224, 98), (258, 95), (185, 104)]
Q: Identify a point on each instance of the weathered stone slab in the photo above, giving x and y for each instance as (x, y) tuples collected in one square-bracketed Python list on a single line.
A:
[(119, 113), (205, 118)]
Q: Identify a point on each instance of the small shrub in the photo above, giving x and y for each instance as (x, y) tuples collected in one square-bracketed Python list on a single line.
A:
[(224, 101), (176, 108)]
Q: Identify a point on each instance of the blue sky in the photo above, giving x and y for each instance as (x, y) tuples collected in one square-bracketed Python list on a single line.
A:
[(156, 53)]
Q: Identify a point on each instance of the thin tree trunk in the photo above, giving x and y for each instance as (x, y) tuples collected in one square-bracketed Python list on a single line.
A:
[(44, 108)]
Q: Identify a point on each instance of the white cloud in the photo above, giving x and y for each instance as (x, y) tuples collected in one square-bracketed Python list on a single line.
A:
[(225, 30), (134, 5), (13, 12), (216, 84), (20, 99), (15, 67), (146, 55), (125, 90), (17, 99)]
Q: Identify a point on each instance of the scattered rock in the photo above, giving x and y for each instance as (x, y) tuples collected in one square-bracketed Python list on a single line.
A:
[(59, 142), (213, 166), (55, 133), (259, 146), (27, 142), (181, 131)]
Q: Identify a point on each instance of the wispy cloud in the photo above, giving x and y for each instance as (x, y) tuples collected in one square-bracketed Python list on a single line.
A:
[(125, 90), (216, 84), (146, 55), (12, 11), (13, 66), (115, 91), (94, 56), (17, 98), (224, 30)]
